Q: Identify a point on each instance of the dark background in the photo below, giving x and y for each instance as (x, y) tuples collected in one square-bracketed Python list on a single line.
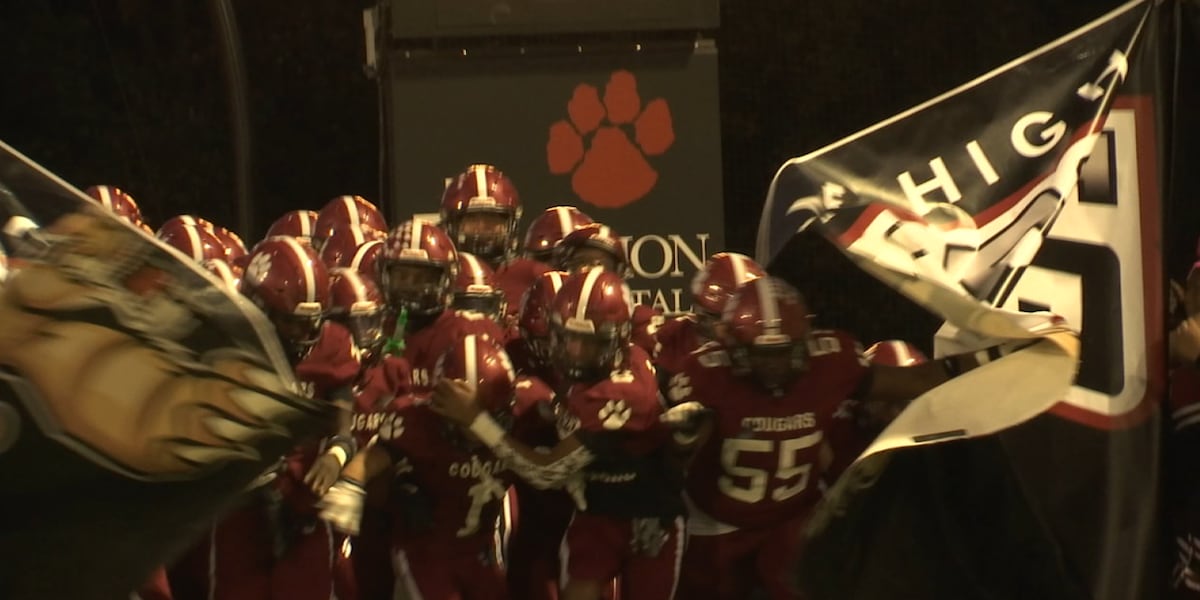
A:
[(132, 92)]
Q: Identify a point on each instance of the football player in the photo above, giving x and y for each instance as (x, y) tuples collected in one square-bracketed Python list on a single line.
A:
[(275, 546), (711, 289), (459, 484), (418, 267), (597, 245), (614, 456), (773, 386)]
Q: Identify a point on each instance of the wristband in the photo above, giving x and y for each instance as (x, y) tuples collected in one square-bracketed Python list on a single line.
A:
[(487, 430), (340, 454)]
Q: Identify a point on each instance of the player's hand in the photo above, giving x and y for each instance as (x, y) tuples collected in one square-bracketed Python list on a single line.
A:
[(342, 505), (455, 400), (324, 473), (1184, 342), (688, 415)]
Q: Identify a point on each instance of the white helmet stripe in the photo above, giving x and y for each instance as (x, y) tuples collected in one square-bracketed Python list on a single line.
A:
[(768, 304), (105, 197), (361, 253), (352, 212), (564, 218), (306, 224), (356, 282), (476, 270), (415, 242), (903, 356), (585, 293), (481, 186), (471, 368), (739, 268), (194, 243), (556, 280), (310, 278)]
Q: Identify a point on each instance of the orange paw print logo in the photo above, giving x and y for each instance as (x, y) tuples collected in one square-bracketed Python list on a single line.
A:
[(608, 169)]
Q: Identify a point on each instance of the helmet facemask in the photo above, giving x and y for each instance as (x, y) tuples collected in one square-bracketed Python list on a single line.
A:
[(488, 234), (772, 361), (583, 354), (365, 322), (481, 299), (300, 330), (419, 287), (588, 257)]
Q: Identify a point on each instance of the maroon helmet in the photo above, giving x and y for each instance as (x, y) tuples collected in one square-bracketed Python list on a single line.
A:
[(228, 274), (294, 223), (895, 353), (536, 306), (340, 246), (418, 267), (592, 245), (549, 228), (476, 360), (356, 302), (766, 328), (288, 281), (193, 241), (480, 210), (117, 201), (354, 212), (475, 288), (591, 324)]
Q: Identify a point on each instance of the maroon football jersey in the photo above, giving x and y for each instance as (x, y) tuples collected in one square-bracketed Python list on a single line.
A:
[(617, 419), (761, 464), (379, 384), (674, 342), (423, 347), (465, 486), (644, 324), (332, 362), (516, 276)]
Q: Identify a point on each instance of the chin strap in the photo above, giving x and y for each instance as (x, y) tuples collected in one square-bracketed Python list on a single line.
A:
[(395, 344)]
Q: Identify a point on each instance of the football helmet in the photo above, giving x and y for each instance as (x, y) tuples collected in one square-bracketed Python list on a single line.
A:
[(713, 285), (480, 210), (765, 327), (895, 353), (354, 212), (475, 288), (341, 244), (193, 241), (235, 248), (589, 246), (189, 221), (229, 274), (117, 201), (356, 302), (477, 360), (536, 307), (288, 281), (366, 261), (549, 228), (590, 325), (418, 267), (294, 223)]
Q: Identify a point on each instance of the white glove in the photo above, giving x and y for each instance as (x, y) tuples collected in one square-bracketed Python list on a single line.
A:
[(685, 415), (342, 506)]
